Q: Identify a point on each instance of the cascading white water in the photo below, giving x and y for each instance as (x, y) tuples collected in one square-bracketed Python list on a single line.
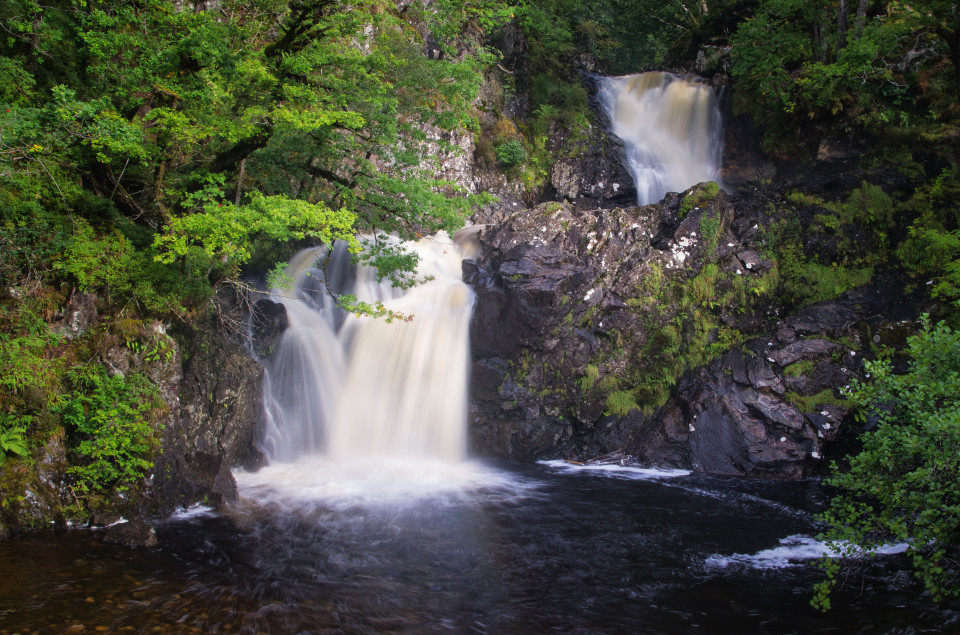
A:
[(348, 387), (360, 410), (671, 130)]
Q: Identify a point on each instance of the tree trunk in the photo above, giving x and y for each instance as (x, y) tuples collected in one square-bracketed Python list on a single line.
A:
[(35, 42), (861, 20), (843, 23), (952, 38), (821, 33)]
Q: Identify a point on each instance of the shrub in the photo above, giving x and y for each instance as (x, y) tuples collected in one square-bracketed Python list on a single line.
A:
[(511, 153), (903, 486), (112, 419)]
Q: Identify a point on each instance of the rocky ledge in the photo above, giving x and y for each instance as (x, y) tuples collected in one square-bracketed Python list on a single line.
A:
[(656, 332)]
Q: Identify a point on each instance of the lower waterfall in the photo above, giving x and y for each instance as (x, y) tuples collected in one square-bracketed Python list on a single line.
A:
[(671, 130), (361, 403)]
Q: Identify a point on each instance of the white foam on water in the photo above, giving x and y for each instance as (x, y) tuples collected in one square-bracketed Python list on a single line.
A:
[(794, 550), (317, 481), (197, 510), (621, 471)]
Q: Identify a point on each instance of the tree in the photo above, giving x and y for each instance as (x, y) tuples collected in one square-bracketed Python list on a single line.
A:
[(904, 486), (797, 62), (151, 150), (940, 18)]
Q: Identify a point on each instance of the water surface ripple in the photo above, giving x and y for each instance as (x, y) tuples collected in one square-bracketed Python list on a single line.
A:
[(539, 549)]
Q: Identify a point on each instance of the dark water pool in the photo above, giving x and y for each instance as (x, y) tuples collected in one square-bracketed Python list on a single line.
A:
[(540, 550)]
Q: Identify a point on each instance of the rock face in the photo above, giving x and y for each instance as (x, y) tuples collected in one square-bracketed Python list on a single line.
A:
[(215, 416), (553, 287), (654, 332), (267, 323)]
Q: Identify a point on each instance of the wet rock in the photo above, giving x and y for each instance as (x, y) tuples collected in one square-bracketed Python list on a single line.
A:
[(804, 349), (744, 163), (786, 335), (736, 429), (752, 261), (836, 150), (734, 362), (571, 324), (80, 315), (826, 423), (663, 445), (215, 417), (763, 377), (134, 534), (564, 180), (268, 321), (773, 409), (556, 290), (712, 59)]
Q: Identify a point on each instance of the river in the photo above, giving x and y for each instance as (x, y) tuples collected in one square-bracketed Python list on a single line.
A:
[(535, 549)]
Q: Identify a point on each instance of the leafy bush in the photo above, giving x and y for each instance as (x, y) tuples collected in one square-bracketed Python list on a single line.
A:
[(94, 261), (113, 419), (904, 485), (511, 153)]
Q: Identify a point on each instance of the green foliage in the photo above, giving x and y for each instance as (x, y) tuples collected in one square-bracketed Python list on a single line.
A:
[(511, 153), (812, 403), (703, 287), (726, 338), (698, 196), (228, 130), (93, 261), (24, 357), (621, 402), (12, 437), (802, 368), (591, 375), (796, 61), (226, 232), (931, 247), (803, 280), (377, 310), (114, 419), (903, 486), (710, 227)]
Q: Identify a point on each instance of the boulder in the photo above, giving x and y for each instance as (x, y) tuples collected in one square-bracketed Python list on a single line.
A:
[(134, 534)]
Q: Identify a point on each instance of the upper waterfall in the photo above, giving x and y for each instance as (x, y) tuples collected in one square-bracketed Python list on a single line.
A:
[(671, 129)]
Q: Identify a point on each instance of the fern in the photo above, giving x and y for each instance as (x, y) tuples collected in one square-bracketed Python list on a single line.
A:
[(12, 439)]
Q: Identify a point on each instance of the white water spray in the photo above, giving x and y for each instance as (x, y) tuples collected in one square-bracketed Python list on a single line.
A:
[(671, 130), (350, 388), (363, 410)]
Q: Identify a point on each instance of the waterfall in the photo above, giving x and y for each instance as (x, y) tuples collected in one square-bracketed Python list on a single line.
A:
[(347, 388), (671, 130)]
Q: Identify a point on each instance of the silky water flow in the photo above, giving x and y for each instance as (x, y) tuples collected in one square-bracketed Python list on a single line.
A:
[(671, 130), (361, 410)]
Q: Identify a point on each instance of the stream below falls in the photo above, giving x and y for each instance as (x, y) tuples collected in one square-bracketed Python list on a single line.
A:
[(546, 548)]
